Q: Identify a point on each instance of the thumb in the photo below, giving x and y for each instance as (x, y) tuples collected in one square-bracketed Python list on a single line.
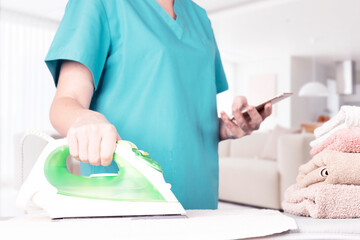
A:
[(118, 137)]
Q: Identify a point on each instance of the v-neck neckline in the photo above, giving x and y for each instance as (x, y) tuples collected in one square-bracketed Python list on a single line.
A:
[(174, 24), (167, 12)]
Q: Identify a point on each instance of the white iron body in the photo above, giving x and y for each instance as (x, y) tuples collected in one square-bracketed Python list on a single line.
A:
[(38, 193)]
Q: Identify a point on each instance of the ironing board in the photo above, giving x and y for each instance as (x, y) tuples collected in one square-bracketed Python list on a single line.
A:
[(228, 222), (311, 228)]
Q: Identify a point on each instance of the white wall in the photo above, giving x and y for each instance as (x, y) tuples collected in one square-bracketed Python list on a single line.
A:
[(306, 109), (225, 99), (292, 73), (335, 101), (246, 69), (280, 67), (353, 99), (26, 91)]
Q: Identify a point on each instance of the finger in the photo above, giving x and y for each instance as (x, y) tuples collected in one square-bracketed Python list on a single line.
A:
[(267, 110), (94, 149), (85, 161), (83, 145), (233, 130), (118, 137), (108, 145), (240, 103), (73, 144), (240, 120), (255, 118)]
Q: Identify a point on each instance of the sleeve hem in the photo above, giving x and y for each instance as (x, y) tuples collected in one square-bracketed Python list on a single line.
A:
[(222, 89), (53, 62)]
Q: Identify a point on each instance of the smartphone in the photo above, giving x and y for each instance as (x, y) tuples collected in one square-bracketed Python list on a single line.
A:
[(260, 107)]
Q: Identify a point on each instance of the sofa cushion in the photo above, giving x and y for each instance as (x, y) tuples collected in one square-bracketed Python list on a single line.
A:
[(249, 181), (270, 147), (248, 146)]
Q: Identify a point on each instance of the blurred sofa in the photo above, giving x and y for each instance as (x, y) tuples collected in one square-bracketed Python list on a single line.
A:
[(256, 170)]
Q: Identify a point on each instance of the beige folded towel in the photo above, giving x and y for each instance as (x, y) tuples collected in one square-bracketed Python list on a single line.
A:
[(332, 167), (323, 200)]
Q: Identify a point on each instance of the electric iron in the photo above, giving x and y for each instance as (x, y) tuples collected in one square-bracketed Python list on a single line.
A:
[(139, 188)]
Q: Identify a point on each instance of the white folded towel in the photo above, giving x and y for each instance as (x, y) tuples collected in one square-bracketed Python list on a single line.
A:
[(348, 115), (319, 140)]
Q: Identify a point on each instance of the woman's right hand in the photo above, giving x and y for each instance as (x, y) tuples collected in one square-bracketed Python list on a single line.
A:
[(92, 139)]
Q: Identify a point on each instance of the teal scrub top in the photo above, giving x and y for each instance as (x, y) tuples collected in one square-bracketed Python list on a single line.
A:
[(156, 81)]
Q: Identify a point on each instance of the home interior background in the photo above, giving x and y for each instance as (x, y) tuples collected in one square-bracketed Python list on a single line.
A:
[(284, 63)]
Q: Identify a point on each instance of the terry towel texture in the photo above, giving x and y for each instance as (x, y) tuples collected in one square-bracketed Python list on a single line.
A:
[(348, 115), (328, 186), (314, 201), (344, 140), (320, 140), (332, 167)]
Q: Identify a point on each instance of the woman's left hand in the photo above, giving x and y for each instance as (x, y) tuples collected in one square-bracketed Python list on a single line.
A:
[(239, 126)]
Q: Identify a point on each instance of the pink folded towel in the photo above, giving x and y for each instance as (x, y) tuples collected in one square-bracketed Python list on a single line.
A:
[(332, 167), (323, 201), (344, 140)]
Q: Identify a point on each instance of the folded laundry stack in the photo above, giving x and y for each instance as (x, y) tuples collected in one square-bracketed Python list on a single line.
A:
[(343, 140), (328, 186), (323, 201), (347, 118)]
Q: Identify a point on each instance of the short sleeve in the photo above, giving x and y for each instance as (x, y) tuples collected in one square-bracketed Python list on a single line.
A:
[(220, 77), (83, 36)]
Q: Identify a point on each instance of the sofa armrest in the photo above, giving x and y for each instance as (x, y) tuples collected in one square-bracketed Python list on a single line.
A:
[(293, 151)]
